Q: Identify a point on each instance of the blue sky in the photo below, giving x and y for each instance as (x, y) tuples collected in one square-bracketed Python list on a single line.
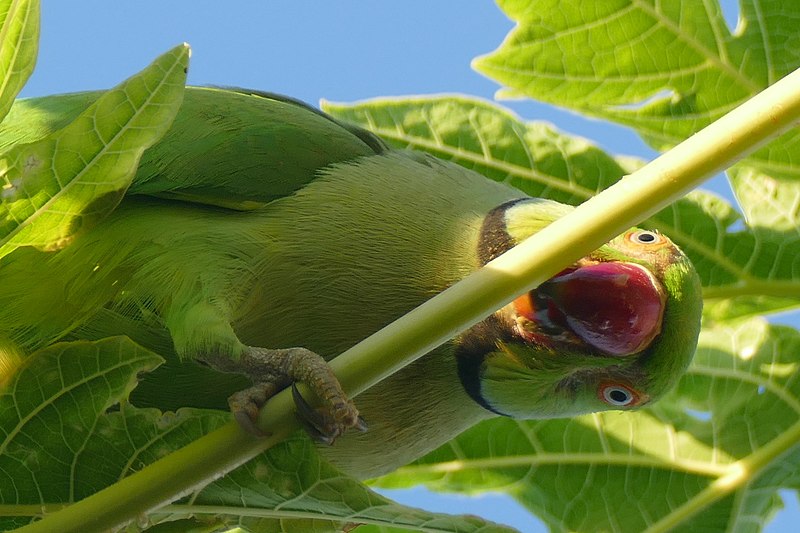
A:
[(341, 51)]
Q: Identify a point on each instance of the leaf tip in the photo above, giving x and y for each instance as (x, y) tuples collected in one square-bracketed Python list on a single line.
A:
[(477, 63)]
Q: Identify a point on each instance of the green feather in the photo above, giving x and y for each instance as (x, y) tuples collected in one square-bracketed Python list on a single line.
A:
[(228, 148)]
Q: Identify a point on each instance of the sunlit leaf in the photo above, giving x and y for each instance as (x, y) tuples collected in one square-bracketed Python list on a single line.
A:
[(59, 444), (54, 187), (19, 43)]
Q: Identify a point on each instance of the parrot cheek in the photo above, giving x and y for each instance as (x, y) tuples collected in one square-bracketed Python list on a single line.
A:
[(520, 400)]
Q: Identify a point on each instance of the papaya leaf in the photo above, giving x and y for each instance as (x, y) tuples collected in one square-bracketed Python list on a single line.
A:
[(665, 69), (50, 403), (61, 442), (19, 43), (54, 187)]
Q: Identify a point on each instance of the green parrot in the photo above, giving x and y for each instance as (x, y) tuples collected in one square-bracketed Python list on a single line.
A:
[(262, 237)]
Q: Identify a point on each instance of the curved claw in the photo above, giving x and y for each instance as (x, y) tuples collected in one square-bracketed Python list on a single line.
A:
[(272, 370), (311, 419), (317, 423)]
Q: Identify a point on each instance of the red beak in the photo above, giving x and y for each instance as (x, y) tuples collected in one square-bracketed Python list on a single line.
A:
[(615, 307)]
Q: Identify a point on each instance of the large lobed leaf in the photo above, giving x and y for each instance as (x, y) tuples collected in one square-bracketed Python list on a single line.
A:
[(19, 43), (59, 443), (664, 68), (48, 410)]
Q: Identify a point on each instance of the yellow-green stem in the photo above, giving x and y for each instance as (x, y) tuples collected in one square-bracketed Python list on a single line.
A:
[(736, 476), (593, 223)]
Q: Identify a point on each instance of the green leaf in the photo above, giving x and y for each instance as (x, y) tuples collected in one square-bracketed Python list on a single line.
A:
[(49, 405), (59, 443), (711, 457), (741, 266), (291, 488), (19, 43), (532, 156), (664, 68), (63, 183)]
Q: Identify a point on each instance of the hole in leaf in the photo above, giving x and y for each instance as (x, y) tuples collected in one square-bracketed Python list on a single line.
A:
[(787, 317), (737, 226), (705, 416), (664, 94), (732, 16)]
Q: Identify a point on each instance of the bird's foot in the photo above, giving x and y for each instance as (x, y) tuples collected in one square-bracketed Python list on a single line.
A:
[(272, 370), (326, 424), (246, 404)]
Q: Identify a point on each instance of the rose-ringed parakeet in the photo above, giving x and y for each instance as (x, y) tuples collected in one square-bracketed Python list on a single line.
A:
[(260, 232)]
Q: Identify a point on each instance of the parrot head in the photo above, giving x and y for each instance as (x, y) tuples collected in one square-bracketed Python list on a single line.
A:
[(615, 330)]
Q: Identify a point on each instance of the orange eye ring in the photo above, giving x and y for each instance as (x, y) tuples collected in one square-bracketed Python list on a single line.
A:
[(618, 395)]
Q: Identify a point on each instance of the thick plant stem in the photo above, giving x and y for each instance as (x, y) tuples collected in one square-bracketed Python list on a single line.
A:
[(736, 476), (593, 223)]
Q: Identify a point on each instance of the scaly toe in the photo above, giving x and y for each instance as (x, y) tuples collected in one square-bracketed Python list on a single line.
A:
[(322, 425), (246, 404)]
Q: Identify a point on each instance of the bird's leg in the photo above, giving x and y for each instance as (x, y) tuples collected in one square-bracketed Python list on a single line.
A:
[(273, 370)]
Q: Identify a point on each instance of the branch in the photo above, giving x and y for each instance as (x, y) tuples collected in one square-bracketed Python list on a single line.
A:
[(593, 223)]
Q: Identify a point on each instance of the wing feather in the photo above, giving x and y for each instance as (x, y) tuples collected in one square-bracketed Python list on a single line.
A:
[(229, 148)]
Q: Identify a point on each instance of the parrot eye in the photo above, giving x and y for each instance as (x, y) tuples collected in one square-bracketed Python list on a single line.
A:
[(643, 236), (617, 395)]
